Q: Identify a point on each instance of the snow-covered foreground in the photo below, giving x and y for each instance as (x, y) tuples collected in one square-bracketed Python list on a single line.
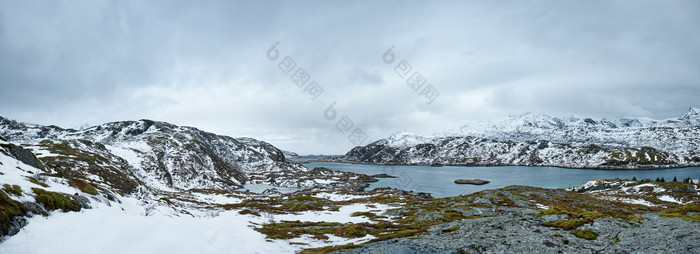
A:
[(146, 222), (113, 230), (124, 228)]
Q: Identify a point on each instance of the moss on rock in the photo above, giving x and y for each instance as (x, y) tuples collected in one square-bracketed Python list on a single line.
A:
[(585, 234), (12, 189), (8, 210), (83, 186), (565, 224), (55, 201)]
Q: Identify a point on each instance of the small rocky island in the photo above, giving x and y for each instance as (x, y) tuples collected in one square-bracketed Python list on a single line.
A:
[(383, 176), (471, 181)]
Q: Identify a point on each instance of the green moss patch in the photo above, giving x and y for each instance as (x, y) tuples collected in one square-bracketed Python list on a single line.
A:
[(452, 215), (585, 234), (298, 203), (12, 189), (35, 181), (352, 231), (8, 210), (246, 211), (689, 212), (294, 229), (83, 186), (565, 224), (451, 229), (549, 212), (55, 201), (370, 215), (501, 199), (305, 203)]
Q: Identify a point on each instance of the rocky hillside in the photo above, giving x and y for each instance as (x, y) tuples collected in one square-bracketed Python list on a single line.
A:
[(541, 140), (158, 155)]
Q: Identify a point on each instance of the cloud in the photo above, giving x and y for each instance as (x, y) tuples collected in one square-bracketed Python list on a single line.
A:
[(204, 64)]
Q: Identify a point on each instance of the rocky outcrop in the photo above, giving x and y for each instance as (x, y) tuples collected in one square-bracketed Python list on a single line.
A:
[(23, 155), (515, 219), (522, 232)]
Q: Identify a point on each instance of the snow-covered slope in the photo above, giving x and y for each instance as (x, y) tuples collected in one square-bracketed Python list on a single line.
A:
[(61, 208), (158, 155), (542, 140)]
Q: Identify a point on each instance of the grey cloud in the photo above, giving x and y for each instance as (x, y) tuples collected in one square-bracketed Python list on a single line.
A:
[(203, 64)]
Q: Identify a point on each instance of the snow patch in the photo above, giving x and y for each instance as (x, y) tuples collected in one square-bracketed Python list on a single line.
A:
[(668, 198), (343, 215), (338, 196)]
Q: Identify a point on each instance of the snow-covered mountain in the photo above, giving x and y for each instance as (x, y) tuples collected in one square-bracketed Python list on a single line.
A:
[(159, 155), (542, 140)]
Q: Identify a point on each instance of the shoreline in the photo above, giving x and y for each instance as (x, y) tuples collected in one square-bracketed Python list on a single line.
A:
[(510, 165)]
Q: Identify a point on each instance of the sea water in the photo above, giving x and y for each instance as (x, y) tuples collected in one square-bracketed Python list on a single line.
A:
[(439, 181)]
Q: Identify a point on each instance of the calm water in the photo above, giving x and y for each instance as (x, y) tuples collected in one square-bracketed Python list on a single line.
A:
[(439, 181)]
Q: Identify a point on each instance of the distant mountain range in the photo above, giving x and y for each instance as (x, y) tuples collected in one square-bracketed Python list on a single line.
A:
[(540, 140)]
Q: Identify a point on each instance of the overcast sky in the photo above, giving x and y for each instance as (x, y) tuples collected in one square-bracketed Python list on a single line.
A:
[(210, 65)]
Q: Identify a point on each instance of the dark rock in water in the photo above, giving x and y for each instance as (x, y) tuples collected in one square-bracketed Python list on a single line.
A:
[(471, 181), (383, 176)]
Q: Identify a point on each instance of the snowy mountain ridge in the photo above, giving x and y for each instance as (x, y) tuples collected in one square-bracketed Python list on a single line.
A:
[(161, 155), (531, 126), (539, 139)]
